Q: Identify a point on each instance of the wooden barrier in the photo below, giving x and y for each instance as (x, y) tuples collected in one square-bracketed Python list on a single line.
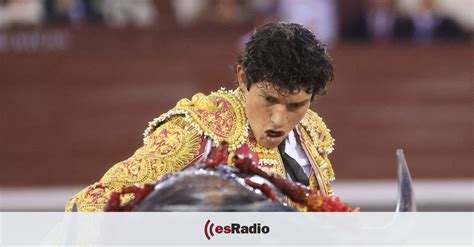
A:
[(73, 108)]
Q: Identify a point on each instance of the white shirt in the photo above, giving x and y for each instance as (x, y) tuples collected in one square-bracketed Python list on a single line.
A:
[(295, 151)]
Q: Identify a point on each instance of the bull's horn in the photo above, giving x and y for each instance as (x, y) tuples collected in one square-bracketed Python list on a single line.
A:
[(406, 194)]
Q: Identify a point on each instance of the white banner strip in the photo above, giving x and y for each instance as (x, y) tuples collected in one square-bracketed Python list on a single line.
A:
[(218, 229)]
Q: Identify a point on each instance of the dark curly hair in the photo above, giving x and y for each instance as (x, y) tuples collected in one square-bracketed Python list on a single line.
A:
[(288, 56)]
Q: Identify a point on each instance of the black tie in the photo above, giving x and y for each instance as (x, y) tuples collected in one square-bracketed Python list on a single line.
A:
[(292, 167)]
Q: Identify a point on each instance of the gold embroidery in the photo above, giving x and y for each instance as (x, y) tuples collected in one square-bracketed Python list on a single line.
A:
[(313, 182), (319, 133), (321, 168), (167, 150), (269, 159), (219, 116)]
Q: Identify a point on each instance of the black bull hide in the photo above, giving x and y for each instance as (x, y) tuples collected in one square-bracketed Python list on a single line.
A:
[(199, 189)]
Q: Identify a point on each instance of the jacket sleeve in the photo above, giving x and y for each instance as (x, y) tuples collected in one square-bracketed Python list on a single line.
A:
[(168, 149)]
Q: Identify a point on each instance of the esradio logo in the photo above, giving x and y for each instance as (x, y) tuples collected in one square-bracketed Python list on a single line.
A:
[(234, 228)]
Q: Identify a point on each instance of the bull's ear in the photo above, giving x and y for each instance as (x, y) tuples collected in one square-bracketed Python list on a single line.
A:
[(406, 194)]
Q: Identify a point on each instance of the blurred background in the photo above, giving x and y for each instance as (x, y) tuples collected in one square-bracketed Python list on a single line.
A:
[(80, 79)]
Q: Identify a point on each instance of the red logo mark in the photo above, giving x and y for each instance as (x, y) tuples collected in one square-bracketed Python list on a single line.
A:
[(208, 229)]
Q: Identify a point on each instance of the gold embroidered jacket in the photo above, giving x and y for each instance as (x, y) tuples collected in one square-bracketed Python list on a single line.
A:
[(177, 138)]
